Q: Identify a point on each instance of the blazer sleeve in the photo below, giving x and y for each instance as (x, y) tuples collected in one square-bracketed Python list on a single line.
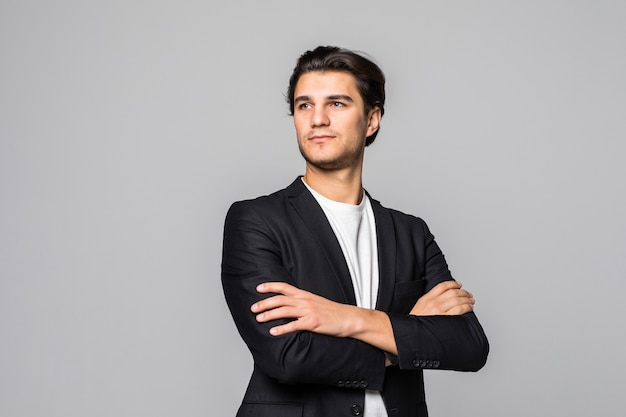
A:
[(444, 342), (252, 255)]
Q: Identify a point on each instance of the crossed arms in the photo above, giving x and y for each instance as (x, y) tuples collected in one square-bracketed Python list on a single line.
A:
[(320, 315), (290, 311)]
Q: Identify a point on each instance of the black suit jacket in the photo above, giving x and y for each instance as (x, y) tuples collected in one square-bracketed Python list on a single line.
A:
[(286, 237)]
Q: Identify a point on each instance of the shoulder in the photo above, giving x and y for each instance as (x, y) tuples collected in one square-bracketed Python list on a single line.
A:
[(270, 202), (267, 206)]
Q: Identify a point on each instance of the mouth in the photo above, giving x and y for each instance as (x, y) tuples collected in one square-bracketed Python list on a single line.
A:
[(320, 138)]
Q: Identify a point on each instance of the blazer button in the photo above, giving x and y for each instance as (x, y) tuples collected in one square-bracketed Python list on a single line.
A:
[(363, 384), (356, 410), (416, 363), (356, 384), (340, 383), (436, 364)]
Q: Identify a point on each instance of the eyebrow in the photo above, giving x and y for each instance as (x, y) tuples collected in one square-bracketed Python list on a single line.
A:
[(331, 97)]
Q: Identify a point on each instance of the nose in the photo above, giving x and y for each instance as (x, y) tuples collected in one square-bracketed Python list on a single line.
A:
[(320, 117)]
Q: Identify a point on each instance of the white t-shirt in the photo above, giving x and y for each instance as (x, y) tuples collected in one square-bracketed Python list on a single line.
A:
[(355, 228)]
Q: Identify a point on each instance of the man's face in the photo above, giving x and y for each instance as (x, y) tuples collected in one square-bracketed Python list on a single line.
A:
[(330, 121)]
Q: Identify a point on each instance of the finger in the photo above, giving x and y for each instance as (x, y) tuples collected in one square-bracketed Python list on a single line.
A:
[(466, 296), (449, 296), (277, 287), (457, 293), (270, 303), (278, 313), (462, 299), (460, 309), (292, 326), (458, 304)]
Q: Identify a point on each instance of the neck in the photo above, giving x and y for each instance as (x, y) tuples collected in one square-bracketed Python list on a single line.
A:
[(344, 186)]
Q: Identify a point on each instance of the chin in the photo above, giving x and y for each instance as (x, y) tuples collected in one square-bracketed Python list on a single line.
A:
[(329, 164), (329, 160)]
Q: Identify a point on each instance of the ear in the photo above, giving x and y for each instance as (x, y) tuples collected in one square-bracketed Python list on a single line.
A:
[(373, 121)]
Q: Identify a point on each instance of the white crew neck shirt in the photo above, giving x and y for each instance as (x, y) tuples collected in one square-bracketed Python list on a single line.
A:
[(355, 229)]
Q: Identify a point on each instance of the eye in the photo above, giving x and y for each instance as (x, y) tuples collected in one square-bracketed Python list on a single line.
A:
[(337, 104), (304, 106)]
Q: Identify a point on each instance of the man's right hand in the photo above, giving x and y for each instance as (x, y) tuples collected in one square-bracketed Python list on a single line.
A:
[(446, 298)]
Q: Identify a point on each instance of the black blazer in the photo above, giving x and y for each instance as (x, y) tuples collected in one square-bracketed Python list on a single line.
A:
[(286, 237)]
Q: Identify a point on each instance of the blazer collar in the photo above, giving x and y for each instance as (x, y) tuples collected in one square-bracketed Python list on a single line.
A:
[(386, 238), (313, 216)]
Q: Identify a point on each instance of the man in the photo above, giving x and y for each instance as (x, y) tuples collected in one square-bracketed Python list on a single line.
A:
[(342, 302)]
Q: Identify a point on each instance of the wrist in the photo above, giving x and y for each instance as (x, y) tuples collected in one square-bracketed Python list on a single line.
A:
[(365, 321), (355, 322)]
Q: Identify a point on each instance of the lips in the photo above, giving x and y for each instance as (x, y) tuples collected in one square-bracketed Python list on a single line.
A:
[(321, 137)]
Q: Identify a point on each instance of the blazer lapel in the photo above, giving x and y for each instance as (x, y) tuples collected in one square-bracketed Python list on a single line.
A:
[(386, 238), (313, 216)]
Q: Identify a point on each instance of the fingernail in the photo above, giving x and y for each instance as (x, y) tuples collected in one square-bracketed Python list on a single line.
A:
[(273, 331), (260, 287), (254, 307)]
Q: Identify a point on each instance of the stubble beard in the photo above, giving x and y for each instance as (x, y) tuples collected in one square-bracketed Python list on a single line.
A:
[(345, 159)]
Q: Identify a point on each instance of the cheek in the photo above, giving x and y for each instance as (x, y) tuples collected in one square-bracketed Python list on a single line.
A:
[(300, 125), (300, 133)]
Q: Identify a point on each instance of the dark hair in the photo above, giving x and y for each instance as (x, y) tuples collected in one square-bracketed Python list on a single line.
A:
[(370, 80)]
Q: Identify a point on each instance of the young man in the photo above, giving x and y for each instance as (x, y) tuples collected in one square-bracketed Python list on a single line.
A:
[(342, 302)]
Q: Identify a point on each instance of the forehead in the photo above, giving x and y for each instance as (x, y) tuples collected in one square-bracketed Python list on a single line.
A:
[(326, 83)]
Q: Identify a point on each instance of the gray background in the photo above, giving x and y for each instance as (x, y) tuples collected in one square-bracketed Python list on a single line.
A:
[(128, 127)]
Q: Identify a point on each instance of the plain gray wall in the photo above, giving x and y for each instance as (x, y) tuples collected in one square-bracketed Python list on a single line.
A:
[(127, 129)]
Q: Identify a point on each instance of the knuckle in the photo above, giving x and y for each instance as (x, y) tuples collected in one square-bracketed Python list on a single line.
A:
[(453, 311), (315, 322)]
